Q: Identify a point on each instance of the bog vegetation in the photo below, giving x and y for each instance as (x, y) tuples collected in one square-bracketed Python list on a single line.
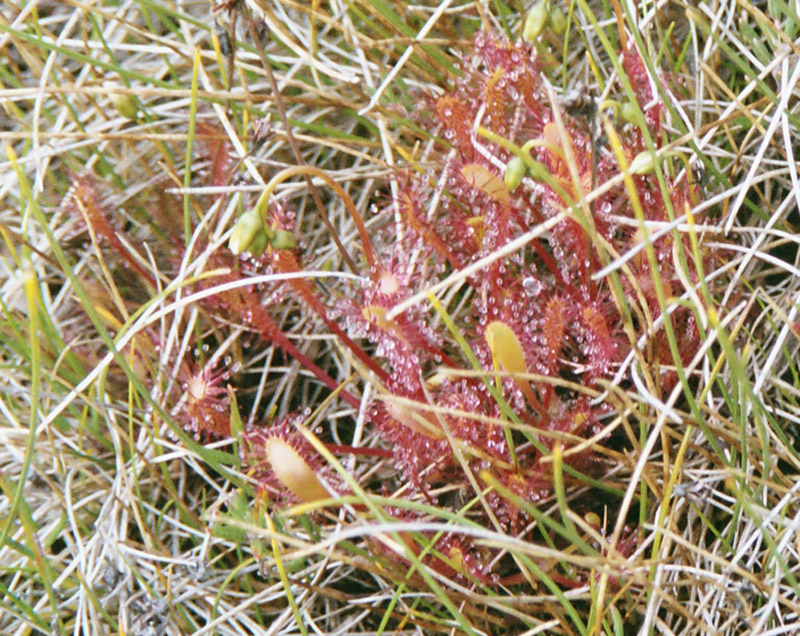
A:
[(379, 318)]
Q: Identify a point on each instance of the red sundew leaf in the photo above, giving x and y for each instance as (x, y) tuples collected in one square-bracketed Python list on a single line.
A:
[(555, 326), (206, 412), (283, 462), (602, 345), (247, 305), (557, 154), (452, 113), (423, 423), (217, 147), (486, 181), (494, 96), (96, 215), (286, 262), (410, 208)]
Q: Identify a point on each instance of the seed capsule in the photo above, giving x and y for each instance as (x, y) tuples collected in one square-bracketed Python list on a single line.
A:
[(283, 240), (245, 232), (643, 163), (125, 104), (515, 170), (628, 112), (258, 244), (535, 22), (557, 22)]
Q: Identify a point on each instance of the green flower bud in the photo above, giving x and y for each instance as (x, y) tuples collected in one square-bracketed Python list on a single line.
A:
[(538, 171), (535, 22), (628, 112), (557, 21), (125, 104), (258, 244), (643, 163), (515, 170), (247, 228), (283, 240)]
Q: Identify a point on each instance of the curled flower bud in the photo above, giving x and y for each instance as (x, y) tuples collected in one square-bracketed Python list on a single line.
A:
[(535, 22), (538, 171), (557, 22), (643, 163), (259, 243), (628, 112), (515, 170), (246, 231), (283, 240)]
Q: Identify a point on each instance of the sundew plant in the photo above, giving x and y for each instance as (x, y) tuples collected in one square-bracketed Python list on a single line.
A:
[(382, 318), (550, 303)]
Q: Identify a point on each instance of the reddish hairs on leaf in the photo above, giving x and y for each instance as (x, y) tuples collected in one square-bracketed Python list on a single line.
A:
[(454, 115), (281, 460), (494, 98), (217, 146), (601, 347), (85, 204), (554, 327), (206, 412)]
